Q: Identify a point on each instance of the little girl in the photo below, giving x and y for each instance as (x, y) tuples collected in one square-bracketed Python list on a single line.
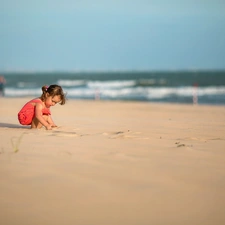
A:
[(37, 111)]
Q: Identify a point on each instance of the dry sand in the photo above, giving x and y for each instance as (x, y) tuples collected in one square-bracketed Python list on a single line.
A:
[(114, 163)]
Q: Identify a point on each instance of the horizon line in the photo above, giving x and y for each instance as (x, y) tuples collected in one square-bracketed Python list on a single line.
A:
[(112, 70)]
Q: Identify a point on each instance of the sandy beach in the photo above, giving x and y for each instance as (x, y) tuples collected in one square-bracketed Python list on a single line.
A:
[(114, 163)]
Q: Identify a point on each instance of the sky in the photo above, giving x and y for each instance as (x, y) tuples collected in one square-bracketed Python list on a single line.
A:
[(69, 35)]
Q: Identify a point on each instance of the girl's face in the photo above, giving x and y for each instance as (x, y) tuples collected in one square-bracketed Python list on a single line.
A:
[(51, 101)]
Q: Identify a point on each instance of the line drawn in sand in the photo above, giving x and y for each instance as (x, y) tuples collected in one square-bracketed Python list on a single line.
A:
[(124, 135)]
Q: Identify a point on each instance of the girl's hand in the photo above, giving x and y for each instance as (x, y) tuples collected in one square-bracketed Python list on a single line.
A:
[(54, 126), (49, 127)]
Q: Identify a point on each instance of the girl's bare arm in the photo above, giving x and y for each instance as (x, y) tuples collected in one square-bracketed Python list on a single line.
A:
[(51, 122), (38, 115)]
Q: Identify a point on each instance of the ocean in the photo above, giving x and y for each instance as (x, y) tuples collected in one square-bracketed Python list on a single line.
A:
[(199, 87)]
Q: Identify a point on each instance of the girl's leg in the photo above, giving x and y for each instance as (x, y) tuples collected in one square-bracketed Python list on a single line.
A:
[(36, 124)]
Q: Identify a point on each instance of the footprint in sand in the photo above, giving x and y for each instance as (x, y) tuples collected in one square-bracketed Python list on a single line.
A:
[(194, 139), (183, 145), (179, 144), (64, 134), (124, 135)]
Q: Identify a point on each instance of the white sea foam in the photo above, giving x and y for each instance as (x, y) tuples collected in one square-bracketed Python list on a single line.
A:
[(12, 92), (111, 84), (114, 92), (80, 92), (152, 81), (211, 90), (71, 83), (26, 84), (161, 92)]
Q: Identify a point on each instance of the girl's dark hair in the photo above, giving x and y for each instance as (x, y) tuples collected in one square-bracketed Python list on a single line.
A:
[(53, 90)]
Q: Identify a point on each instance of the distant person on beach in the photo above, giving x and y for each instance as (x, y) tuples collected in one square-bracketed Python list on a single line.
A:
[(37, 111), (2, 86)]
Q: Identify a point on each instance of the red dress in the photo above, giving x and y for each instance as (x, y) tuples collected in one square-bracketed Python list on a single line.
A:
[(27, 113)]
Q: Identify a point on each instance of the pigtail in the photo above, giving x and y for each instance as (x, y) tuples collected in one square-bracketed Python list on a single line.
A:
[(44, 88), (44, 91)]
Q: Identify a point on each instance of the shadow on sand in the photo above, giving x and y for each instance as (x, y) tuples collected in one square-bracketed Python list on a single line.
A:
[(9, 125)]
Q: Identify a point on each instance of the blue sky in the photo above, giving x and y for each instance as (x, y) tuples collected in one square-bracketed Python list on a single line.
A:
[(112, 35)]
